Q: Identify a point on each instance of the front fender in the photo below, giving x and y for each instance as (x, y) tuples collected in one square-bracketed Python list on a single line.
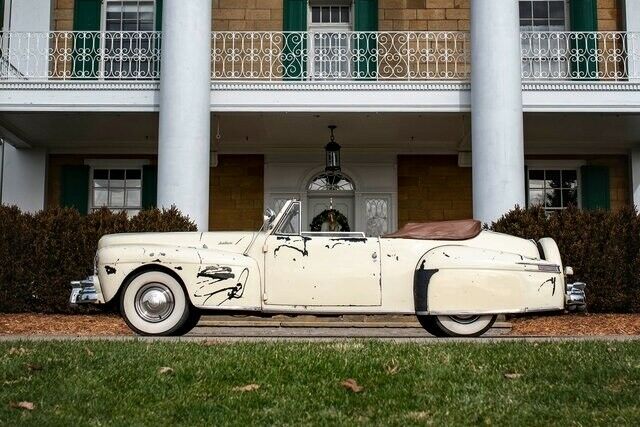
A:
[(212, 277), (455, 279)]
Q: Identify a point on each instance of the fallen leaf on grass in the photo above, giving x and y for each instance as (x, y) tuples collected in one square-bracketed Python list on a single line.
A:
[(29, 406), (18, 350), (165, 370), (248, 387), (88, 351), (352, 385), (33, 366), (512, 376), (392, 367)]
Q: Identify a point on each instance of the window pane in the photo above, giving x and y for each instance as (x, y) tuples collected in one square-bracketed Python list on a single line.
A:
[(345, 14), (325, 14), (525, 9), (134, 178), (335, 14), (133, 198), (536, 178), (100, 198), (553, 198), (100, 174), (116, 197), (536, 197), (569, 179), (540, 9), (553, 178), (315, 14), (556, 9), (569, 197)]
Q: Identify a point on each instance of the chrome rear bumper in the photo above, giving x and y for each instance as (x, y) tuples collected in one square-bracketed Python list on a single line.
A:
[(84, 291), (575, 298)]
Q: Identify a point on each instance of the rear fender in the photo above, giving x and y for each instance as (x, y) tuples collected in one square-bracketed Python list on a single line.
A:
[(455, 279)]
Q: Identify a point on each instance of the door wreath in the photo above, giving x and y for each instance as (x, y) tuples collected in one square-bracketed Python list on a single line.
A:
[(336, 221)]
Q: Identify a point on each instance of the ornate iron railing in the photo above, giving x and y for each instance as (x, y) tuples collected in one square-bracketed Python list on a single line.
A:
[(314, 56), (78, 55), (580, 55), (406, 55)]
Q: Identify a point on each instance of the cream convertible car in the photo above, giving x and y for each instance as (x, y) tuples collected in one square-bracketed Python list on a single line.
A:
[(454, 277)]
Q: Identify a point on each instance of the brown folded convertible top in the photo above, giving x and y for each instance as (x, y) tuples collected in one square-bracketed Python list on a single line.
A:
[(440, 230)]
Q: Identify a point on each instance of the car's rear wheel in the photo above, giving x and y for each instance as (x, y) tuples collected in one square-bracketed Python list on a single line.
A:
[(457, 325), (154, 303)]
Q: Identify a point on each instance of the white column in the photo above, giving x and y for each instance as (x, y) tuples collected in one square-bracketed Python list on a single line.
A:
[(184, 130), (635, 176), (30, 20), (23, 177), (496, 109), (632, 18)]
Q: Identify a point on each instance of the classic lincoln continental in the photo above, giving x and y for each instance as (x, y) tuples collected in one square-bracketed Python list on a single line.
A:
[(453, 276)]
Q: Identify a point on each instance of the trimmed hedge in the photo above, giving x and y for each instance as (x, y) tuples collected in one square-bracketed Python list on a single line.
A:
[(41, 253), (603, 247)]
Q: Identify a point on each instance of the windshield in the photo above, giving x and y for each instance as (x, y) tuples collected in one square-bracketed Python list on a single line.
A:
[(290, 223)]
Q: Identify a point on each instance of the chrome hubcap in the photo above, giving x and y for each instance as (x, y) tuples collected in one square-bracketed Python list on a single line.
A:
[(154, 302)]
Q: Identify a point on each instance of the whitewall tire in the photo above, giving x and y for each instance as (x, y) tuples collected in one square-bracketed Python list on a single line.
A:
[(457, 326), (154, 303)]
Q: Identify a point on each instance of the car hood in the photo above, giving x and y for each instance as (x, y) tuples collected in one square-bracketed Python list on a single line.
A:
[(230, 241)]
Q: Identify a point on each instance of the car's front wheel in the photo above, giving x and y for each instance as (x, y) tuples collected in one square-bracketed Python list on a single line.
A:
[(155, 303), (457, 326)]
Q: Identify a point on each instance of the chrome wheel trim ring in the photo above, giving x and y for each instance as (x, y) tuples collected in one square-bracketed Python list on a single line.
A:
[(465, 319), (154, 302)]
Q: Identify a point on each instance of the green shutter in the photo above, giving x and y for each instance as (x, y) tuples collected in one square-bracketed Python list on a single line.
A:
[(86, 17), (365, 19), (1, 15), (526, 186), (595, 187), (149, 186), (294, 50), (584, 17), (74, 187), (158, 15)]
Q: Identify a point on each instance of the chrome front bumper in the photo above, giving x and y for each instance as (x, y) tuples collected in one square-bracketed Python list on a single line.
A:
[(575, 298), (84, 291)]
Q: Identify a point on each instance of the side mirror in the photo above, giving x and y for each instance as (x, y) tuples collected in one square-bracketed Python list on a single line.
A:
[(269, 217)]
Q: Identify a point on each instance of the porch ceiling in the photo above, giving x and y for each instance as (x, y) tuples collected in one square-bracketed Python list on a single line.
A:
[(298, 132)]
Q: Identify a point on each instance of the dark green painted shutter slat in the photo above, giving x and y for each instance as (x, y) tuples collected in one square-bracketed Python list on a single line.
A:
[(74, 187), (526, 187), (1, 15), (595, 187), (584, 17), (294, 58), (149, 186), (366, 19), (158, 15), (86, 17)]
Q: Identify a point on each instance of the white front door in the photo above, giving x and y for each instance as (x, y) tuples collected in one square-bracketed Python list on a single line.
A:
[(344, 205)]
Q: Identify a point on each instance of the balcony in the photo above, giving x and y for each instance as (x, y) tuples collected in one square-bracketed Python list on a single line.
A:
[(403, 63)]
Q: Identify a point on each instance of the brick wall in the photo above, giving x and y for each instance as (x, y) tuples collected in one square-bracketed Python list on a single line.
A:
[(236, 197), (63, 15), (423, 15), (432, 188), (249, 15)]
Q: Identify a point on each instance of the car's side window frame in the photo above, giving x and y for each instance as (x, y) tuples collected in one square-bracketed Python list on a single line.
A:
[(285, 219)]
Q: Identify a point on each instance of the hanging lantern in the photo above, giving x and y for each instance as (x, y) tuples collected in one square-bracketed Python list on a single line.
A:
[(332, 150)]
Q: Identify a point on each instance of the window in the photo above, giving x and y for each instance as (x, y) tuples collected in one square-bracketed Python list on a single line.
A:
[(377, 215), (544, 46), (331, 182), (127, 51), (117, 189), (290, 224), (330, 53), (554, 189)]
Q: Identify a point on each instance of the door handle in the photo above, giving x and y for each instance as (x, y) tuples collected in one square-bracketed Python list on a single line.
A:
[(374, 256)]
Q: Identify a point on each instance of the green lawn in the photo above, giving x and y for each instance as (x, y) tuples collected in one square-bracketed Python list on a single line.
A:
[(119, 383)]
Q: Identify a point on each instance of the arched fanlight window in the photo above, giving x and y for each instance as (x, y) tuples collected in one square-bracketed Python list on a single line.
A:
[(331, 182)]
